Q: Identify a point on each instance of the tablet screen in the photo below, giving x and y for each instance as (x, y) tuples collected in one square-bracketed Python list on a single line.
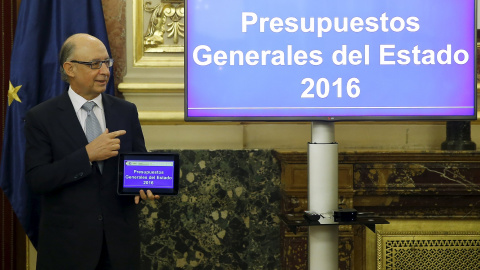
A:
[(158, 172)]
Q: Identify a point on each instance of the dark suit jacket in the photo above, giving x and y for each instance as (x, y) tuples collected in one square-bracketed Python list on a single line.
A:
[(80, 205)]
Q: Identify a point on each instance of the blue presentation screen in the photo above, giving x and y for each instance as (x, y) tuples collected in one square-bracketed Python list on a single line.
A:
[(148, 174), (330, 60), (157, 172)]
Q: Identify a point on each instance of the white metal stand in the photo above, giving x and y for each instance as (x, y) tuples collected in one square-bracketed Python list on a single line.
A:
[(323, 195)]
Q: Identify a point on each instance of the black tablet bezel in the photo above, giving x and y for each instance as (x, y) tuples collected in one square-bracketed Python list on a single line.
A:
[(149, 156)]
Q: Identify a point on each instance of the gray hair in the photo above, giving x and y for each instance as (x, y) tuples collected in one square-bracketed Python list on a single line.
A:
[(65, 53)]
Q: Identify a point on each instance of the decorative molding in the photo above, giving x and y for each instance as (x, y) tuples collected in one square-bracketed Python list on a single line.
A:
[(289, 234), (27, 253), (172, 118), (166, 18), (160, 117), (151, 88)]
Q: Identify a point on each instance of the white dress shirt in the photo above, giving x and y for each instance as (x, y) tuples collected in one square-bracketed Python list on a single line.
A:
[(78, 102)]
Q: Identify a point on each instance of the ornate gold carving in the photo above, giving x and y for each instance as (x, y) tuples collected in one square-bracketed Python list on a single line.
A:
[(428, 250), (167, 18), (156, 46)]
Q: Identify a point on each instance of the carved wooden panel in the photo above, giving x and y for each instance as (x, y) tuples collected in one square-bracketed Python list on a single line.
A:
[(396, 185), (430, 250)]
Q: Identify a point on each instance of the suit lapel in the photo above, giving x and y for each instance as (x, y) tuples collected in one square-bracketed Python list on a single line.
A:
[(109, 110), (110, 165), (68, 120)]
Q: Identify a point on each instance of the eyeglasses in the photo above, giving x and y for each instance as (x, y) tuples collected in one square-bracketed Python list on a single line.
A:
[(96, 64)]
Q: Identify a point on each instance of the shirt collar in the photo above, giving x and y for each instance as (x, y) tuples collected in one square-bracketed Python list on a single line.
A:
[(78, 100)]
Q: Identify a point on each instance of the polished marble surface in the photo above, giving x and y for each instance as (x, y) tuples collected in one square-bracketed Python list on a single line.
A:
[(226, 215)]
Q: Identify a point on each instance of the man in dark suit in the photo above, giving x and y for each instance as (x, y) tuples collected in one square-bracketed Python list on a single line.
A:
[(84, 223)]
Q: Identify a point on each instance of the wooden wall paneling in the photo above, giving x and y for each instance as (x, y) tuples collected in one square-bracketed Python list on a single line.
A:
[(433, 185), (12, 236)]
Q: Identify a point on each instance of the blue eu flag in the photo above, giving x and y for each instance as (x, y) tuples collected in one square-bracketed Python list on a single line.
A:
[(42, 27)]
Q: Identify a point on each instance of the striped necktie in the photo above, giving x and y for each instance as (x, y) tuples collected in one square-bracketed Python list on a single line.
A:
[(92, 126)]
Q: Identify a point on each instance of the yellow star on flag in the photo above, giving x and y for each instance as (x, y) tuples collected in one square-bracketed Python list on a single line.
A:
[(13, 93)]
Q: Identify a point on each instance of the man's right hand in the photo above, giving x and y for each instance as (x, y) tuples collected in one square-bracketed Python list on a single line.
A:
[(104, 146)]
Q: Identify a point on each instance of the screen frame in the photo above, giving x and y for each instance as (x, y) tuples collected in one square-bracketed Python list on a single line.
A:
[(332, 118), (154, 156)]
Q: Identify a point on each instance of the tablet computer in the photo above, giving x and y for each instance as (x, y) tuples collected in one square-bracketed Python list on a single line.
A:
[(158, 172)]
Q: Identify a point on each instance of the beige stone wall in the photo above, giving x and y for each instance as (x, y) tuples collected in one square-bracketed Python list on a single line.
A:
[(295, 136)]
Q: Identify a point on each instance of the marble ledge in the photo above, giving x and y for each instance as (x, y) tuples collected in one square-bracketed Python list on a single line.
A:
[(384, 156)]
